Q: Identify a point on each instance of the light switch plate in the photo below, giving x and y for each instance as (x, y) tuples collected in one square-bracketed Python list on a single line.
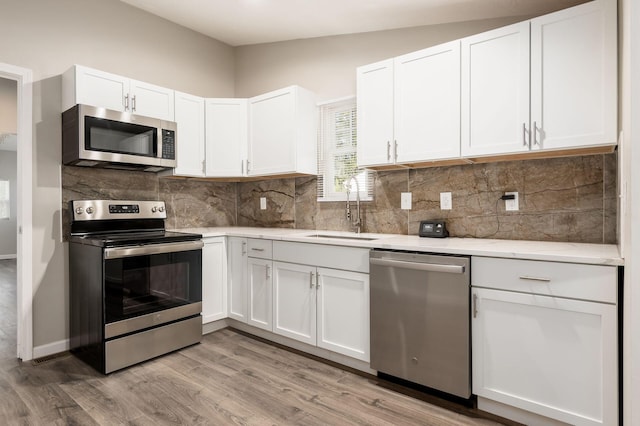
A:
[(445, 201), (405, 200), (263, 203), (511, 205)]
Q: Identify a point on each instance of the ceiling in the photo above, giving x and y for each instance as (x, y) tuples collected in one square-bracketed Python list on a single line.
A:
[(243, 22)]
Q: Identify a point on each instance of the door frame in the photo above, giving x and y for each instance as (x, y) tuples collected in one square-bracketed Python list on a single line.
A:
[(24, 79)]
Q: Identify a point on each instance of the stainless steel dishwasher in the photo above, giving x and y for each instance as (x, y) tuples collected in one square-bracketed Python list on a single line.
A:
[(420, 319)]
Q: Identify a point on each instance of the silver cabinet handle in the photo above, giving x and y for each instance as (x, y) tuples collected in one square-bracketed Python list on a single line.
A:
[(257, 249), (530, 278), (475, 305), (133, 103), (242, 167), (318, 280), (126, 102), (244, 247), (248, 162), (268, 271), (418, 266), (311, 279), (388, 150), (395, 150), (524, 134), (534, 130)]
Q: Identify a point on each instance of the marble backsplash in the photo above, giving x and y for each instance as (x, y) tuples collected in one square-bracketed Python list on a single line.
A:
[(572, 199)]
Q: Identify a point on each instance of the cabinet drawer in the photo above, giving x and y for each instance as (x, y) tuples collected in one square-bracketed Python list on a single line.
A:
[(321, 255), (570, 280), (262, 249)]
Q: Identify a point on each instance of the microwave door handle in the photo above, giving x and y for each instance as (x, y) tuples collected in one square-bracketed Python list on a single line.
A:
[(145, 250)]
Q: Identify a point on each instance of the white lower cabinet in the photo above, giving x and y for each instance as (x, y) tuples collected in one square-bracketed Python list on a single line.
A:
[(321, 306), (237, 278), (552, 356), (260, 293), (294, 301), (343, 312), (214, 279)]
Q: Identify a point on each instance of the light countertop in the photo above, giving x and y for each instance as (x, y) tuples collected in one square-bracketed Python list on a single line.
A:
[(596, 254)]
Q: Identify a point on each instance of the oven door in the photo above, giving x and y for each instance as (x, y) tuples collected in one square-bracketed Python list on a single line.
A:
[(150, 285)]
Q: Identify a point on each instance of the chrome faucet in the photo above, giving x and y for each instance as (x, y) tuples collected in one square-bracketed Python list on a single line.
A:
[(358, 221)]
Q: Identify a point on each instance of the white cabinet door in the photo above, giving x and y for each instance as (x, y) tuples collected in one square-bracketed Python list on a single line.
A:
[(189, 113), (237, 278), (226, 124), (96, 88), (214, 279), (574, 77), (427, 104), (495, 91), (343, 312), (260, 293), (375, 114), (283, 132), (551, 356), (151, 100), (294, 301)]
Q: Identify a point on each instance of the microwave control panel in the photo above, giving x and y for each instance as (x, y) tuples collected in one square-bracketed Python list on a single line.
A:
[(168, 144)]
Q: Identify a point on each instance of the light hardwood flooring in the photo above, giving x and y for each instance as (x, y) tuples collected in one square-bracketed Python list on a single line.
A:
[(229, 378)]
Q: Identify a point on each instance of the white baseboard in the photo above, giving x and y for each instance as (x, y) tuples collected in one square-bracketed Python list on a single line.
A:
[(8, 256), (51, 348)]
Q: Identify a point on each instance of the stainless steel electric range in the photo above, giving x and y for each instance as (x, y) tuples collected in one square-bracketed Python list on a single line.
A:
[(135, 288)]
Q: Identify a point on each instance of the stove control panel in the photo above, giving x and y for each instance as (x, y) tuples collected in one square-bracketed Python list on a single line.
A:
[(117, 209)]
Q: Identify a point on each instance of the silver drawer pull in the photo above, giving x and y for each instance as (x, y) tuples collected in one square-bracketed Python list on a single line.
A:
[(257, 249), (541, 279)]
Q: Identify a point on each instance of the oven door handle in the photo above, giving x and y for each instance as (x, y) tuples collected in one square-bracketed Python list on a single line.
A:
[(143, 250)]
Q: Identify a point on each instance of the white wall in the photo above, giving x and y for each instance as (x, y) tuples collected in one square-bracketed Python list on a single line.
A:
[(50, 36), (8, 228), (629, 21), (327, 65)]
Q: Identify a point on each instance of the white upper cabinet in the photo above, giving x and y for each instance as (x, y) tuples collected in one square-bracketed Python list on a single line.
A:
[(409, 107), (427, 104), (545, 84), (375, 114), (574, 77), (495, 91), (83, 85), (226, 135), (283, 133), (151, 100), (189, 112)]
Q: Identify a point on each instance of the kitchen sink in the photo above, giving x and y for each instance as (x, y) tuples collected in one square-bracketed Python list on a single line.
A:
[(343, 237)]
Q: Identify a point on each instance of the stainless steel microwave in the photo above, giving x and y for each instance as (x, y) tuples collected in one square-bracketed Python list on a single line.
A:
[(98, 137)]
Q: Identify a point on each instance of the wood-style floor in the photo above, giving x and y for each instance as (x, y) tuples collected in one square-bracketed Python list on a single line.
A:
[(229, 378)]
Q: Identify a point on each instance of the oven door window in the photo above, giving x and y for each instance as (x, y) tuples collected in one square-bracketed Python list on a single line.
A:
[(141, 285), (106, 135)]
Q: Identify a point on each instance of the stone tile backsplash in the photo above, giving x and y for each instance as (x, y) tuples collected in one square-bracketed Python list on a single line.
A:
[(571, 199)]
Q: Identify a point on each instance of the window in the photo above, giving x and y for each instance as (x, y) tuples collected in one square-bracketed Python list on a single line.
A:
[(337, 142), (4, 200)]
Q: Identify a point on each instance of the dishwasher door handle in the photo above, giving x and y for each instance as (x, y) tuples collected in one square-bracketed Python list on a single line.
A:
[(418, 266)]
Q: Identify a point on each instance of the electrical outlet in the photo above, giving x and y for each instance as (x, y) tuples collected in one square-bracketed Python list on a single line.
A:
[(445, 201), (405, 200), (263, 203), (511, 205)]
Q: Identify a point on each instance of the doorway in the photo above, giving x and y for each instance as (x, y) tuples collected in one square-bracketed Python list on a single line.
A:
[(8, 217), (23, 79)]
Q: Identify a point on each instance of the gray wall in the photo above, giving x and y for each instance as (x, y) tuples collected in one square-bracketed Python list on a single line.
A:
[(8, 106), (8, 230), (50, 36), (327, 65)]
